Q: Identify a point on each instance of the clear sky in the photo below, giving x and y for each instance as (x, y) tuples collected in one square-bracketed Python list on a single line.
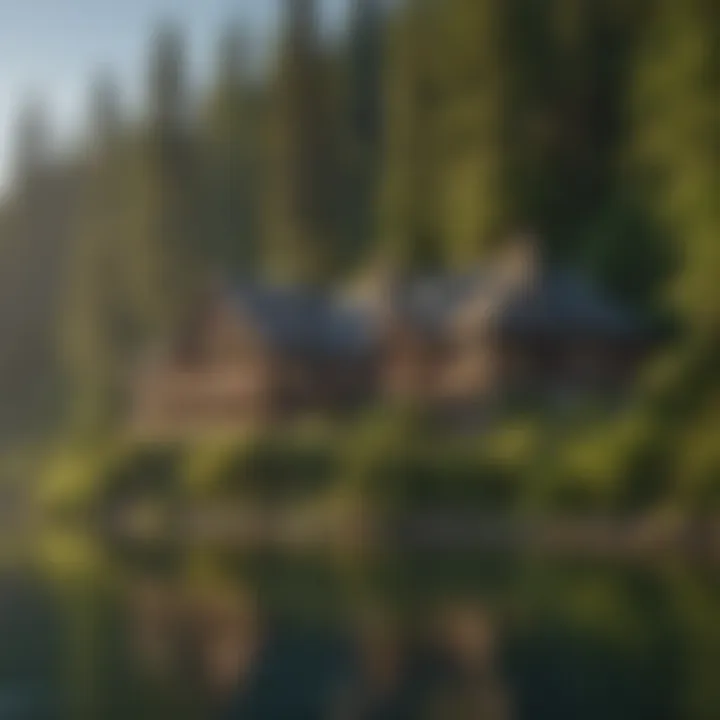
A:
[(50, 48)]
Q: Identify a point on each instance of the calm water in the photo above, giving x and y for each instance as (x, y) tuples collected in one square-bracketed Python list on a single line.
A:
[(92, 632)]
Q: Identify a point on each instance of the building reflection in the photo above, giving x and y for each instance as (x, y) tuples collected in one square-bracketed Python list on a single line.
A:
[(374, 666), (226, 635), (468, 637), (155, 628)]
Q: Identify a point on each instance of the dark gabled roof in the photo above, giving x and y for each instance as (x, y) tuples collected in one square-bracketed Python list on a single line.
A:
[(309, 320), (561, 300), (303, 320), (556, 300), (426, 302)]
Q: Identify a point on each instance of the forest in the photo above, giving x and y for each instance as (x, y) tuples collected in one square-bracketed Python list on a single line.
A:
[(418, 137)]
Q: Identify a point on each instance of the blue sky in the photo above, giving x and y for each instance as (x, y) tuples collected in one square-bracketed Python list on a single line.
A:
[(50, 48)]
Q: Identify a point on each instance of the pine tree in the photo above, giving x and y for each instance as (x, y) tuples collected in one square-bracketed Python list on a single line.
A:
[(298, 239), (32, 143), (97, 293), (676, 113), (447, 169), (164, 207), (409, 237), (677, 132), (590, 51), (472, 112), (362, 126), (230, 141), (38, 222), (365, 70)]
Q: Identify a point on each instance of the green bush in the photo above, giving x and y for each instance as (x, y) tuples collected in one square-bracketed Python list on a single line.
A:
[(68, 481), (278, 466), (400, 463), (289, 467), (142, 471)]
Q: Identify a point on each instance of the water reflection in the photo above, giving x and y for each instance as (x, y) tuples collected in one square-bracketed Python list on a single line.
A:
[(438, 637), (249, 664)]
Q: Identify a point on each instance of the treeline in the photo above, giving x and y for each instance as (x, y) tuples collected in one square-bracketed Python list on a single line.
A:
[(417, 138)]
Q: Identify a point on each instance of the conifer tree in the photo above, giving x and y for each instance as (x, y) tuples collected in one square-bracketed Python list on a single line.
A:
[(165, 199), (409, 238), (677, 134), (471, 117), (590, 54), (676, 113), (97, 296), (32, 143), (38, 225), (298, 241), (232, 168), (361, 134)]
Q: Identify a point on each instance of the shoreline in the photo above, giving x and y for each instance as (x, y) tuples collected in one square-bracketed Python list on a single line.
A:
[(639, 536)]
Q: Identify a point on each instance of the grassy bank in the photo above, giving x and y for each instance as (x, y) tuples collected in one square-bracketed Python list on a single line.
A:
[(393, 464)]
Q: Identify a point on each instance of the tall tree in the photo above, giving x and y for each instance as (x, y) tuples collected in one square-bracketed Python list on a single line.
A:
[(38, 221), (298, 238), (362, 126), (472, 112), (409, 238), (676, 114), (96, 328), (232, 167), (677, 132), (165, 199), (32, 142), (589, 56)]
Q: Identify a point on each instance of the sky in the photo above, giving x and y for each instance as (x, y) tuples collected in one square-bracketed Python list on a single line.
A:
[(50, 49)]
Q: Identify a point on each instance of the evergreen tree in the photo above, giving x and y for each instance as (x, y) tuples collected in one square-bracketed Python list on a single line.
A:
[(96, 327), (474, 200), (365, 71), (32, 143), (590, 54), (677, 131), (37, 226), (164, 206), (362, 136), (408, 234), (298, 238), (232, 167), (677, 150)]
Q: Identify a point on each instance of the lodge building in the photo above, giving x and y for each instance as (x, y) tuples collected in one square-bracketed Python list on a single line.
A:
[(258, 354)]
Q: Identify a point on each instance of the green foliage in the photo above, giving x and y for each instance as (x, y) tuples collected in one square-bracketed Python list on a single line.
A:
[(231, 159), (210, 467), (394, 461), (676, 113), (300, 159), (68, 479), (677, 125), (268, 467), (408, 232), (137, 472), (629, 257), (419, 137)]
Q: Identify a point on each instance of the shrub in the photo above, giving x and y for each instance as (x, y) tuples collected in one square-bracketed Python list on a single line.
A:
[(142, 471), (268, 467)]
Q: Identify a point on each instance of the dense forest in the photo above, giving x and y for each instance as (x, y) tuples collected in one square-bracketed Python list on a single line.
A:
[(418, 138)]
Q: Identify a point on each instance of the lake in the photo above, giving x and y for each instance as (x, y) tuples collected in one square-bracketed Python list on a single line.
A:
[(89, 630)]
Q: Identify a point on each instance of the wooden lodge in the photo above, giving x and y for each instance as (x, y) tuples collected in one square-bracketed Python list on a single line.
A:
[(251, 357), (259, 355)]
